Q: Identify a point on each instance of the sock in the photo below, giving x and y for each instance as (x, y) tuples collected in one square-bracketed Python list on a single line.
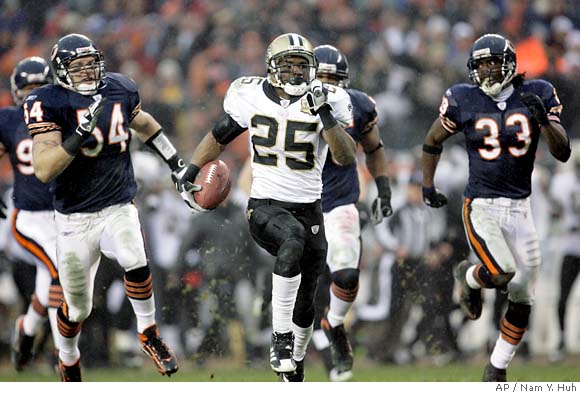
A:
[(337, 311), (284, 293), (320, 340), (301, 338), (503, 353), (144, 312), (32, 321), (471, 282)]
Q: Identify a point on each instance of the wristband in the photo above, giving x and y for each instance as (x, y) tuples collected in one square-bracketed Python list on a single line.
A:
[(73, 144), (190, 173), (328, 120), (164, 148), (383, 187), (432, 150)]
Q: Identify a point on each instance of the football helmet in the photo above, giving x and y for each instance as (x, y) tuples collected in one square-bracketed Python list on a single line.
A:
[(492, 46), (333, 63), (29, 71), (283, 46), (70, 48)]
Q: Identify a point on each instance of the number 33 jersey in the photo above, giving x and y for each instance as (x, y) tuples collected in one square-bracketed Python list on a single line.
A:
[(101, 174), (286, 144), (501, 137)]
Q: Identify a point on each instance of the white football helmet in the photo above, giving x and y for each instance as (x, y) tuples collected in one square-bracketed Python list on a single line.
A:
[(290, 44)]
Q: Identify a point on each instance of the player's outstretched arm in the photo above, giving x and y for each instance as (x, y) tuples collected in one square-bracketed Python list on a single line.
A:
[(432, 148)]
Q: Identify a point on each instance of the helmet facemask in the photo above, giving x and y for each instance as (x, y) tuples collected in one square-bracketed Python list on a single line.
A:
[(497, 78), (90, 86), (281, 72)]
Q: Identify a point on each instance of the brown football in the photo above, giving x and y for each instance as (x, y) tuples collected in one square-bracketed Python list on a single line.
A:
[(216, 183)]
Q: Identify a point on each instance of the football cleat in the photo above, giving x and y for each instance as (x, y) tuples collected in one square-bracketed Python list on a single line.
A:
[(340, 351), (469, 299), (493, 374), (22, 344), (281, 352), (70, 373), (297, 375), (153, 346)]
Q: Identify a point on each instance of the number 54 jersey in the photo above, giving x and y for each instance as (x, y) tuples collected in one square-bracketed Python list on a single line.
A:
[(501, 137), (286, 144), (101, 174)]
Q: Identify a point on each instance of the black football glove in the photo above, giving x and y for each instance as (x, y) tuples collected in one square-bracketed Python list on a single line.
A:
[(536, 107), (184, 179), (433, 197), (3, 209), (86, 127), (381, 206), (317, 97)]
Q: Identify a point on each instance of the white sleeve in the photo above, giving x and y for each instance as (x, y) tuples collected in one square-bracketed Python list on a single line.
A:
[(231, 104)]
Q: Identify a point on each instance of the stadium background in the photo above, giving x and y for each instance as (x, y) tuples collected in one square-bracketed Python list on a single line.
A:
[(184, 53)]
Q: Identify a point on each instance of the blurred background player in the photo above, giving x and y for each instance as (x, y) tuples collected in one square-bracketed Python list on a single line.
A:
[(81, 136), (502, 117), (565, 192), (341, 217), (293, 121), (33, 224)]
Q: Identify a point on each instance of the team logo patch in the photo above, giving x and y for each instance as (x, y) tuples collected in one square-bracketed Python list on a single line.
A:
[(249, 213), (315, 229), (502, 106)]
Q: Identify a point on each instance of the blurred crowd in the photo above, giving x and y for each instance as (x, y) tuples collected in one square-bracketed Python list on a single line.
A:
[(213, 282)]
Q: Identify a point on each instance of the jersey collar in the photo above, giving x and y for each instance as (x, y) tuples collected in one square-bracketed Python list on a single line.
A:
[(270, 92)]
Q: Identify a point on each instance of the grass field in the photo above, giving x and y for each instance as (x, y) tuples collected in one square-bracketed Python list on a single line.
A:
[(537, 370)]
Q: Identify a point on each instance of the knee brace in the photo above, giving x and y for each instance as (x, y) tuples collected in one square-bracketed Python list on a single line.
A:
[(514, 324), (139, 283), (490, 281), (345, 284), (289, 255)]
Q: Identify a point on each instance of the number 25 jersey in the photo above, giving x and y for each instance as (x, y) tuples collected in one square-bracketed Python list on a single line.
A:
[(501, 137), (101, 174), (287, 148)]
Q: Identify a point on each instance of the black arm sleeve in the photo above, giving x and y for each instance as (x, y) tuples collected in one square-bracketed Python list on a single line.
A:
[(226, 130)]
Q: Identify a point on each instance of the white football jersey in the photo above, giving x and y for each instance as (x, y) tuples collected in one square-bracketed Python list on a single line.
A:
[(286, 145)]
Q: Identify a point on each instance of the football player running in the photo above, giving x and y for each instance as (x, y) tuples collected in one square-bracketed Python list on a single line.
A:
[(341, 217), (293, 120), (33, 224), (502, 117), (81, 132)]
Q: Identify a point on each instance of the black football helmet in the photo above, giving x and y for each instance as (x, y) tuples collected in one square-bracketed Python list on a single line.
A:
[(333, 63), (29, 71), (290, 44), (488, 46), (72, 47)]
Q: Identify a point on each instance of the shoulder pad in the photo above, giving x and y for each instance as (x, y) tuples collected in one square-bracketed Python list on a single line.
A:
[(121, 80)]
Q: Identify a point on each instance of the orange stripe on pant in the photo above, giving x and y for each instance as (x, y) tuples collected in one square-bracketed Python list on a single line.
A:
[(477, 246), (33, 248)]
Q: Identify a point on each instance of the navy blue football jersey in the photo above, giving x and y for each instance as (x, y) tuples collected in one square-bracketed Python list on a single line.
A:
[(101, 174), (29, 193), (501, 138), (340, 183)]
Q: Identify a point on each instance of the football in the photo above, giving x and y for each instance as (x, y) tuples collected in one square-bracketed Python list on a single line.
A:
[(216, 183)]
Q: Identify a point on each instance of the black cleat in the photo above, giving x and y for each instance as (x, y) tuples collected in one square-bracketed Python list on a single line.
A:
[(469, 299), (297, 375), (70, 373), (21, 352), (340, 350), (493, 374), (281, 352), (153, 346)]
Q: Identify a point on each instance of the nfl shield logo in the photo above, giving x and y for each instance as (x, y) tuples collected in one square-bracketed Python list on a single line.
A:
[(502, 106), (315, 229)]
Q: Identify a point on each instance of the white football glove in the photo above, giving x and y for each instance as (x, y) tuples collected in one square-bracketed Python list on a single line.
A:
[(86, 127), (317, 97), (187, 195)]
